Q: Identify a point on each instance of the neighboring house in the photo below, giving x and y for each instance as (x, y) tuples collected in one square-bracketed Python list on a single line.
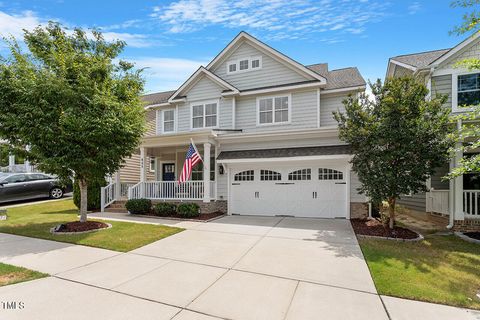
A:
[(8, 161), (458, 198), (263, 124)]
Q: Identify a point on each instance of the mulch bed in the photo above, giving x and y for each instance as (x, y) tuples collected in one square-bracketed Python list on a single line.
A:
[(473, 235), (78, 226), (373, 227), (202, 217)]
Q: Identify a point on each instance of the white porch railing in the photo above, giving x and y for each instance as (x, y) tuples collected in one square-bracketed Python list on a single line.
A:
[(171, 190), (124, 188), (471, 202), (437, 201), (107, 195)]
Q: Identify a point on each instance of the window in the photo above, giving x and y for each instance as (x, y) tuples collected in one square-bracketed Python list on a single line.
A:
[(37, 176), (468, 89), (204, 115), (152, 165), (244, 176), (268, 175), (302, 174), (197, 171), (232, 67), (256, 62), (168, 121), (329, 174), (16, 178), (273, 110), (243, 64)]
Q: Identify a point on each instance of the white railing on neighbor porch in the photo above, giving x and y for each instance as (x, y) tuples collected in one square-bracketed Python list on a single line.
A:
[(471, 201), (437, 201), (170, 190), (107, 195)]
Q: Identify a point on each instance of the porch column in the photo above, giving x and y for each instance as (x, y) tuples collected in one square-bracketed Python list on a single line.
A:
[(458, 190), (28, 168), (118, 187), (11, 162), (142, 171), (206, 172)]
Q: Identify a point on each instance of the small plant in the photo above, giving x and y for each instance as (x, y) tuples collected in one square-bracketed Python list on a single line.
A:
[(164, 209), (138, 206), (188, 210)]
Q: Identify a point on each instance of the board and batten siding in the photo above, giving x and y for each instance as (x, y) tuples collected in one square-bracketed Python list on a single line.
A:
[(328, 104), (272, 72), (443, 85)]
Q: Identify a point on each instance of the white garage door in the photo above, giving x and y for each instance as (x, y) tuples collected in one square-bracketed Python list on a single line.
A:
[(313, 191)]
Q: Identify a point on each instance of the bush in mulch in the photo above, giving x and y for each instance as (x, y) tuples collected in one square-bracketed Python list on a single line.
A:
[(139, 206), (374, 227), (188, 210), (165, 209), (473, 235), (78, 226)]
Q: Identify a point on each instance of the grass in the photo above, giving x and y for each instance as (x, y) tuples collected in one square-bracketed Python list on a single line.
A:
[(440, 269), (11, 274), (36, 220)]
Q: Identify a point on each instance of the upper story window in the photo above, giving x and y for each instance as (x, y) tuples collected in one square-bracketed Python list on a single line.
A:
[(273, 110), (244, 64), (468, 89), (168, 121), (204, 115)]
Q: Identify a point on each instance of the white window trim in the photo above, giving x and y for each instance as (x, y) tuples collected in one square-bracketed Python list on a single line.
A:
[(455, 107), (273, 123), (150, 161), (237, 63), (174, 121), (197, 103)]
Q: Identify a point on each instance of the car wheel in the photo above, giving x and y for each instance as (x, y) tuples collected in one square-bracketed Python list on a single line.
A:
[(56, 193)]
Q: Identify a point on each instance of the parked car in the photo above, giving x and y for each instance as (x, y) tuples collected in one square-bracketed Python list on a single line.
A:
[(24, 186)]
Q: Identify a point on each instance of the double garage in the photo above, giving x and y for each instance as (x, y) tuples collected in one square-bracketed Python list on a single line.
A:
[(301, 186)]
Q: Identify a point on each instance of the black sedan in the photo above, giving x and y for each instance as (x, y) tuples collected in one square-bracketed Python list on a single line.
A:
[(24, 186)]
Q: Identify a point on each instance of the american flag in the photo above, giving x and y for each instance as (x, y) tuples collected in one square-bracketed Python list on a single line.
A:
[(193, 157)]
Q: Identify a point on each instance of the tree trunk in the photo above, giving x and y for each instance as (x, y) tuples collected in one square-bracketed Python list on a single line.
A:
[(82, 184), (391, 211)]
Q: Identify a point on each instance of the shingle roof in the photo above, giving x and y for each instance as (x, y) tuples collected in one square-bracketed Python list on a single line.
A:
[(422, 59), (284, 152), (157, 98), (340, 78)]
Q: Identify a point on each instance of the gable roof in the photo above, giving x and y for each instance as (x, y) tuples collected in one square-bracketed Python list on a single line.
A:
[(157, 98), (277, 54), (339, 78), (422, 59), (196, 76)]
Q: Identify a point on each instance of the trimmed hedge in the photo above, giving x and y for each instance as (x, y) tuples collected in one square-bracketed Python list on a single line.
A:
[(139, 206), (164, 209), (188, 210), (93, 194)]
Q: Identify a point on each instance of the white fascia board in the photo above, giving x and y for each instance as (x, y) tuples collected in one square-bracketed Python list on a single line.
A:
[(358, 88), (404, 65), (158, 105), (276, 89), (456, 49), (288, 159)]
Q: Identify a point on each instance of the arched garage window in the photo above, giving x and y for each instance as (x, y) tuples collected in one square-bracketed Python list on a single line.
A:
[(302, 174), (246, 175), (329, 174), (269, 175)]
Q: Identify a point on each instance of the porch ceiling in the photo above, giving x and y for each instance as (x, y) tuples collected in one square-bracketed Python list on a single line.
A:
[(179, 140)]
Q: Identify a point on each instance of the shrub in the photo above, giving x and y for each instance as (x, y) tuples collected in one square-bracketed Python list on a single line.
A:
[(188, 210), (93, 194), (164, 209), (138, 206)]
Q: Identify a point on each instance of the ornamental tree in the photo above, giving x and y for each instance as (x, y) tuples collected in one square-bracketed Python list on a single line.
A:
[(68, 99), (397, 139)]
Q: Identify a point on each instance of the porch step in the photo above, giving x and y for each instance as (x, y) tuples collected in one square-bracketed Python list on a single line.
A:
[(117, 206), (116, 210)]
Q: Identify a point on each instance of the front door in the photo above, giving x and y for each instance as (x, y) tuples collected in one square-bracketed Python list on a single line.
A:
[(168, 172)]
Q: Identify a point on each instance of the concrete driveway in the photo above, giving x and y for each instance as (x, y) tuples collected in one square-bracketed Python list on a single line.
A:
[(231, 268)]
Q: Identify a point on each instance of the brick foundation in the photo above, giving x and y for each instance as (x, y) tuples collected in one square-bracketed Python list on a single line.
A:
[(205, 207), (358, 210), (466, 225)]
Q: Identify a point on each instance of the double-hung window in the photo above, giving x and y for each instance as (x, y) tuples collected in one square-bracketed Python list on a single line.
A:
[(168, 121), (273, 110), (204, 115), (468, 89)]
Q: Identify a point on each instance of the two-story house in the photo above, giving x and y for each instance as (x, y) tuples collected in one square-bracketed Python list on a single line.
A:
[(263, 124), (458, 198)]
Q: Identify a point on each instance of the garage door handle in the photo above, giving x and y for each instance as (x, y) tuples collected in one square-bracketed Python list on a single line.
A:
[(340, 183), (235, 184), (284, 183)]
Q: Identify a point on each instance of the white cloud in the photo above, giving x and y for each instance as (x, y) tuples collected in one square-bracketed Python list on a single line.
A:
[(276, 18), (414, 8), (166, 73)]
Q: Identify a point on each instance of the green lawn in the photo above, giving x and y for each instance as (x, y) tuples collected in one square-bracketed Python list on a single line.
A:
[(36, 221), (441, 269), (11, 274)]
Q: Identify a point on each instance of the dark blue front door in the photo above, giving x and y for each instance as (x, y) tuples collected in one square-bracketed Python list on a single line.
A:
[(168, 172)]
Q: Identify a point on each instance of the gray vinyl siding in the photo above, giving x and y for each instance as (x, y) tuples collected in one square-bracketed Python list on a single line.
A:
[(355, 196), (130, 171), (272, 72), (443, 85), (414, 202), (151, 123), (273, 144), (401, 72), (204, 89), (303, 113), (329, 104), (222, 186), (183, 115), (225, 114), (471, 51)]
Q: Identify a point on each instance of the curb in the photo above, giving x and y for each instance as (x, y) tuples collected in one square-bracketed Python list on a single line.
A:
[(462, 236), (419, 238)]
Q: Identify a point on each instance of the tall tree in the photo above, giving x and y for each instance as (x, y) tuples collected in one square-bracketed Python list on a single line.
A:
[(69, 100), (397, 139)]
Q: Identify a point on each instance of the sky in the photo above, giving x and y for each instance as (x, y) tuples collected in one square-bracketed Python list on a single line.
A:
[(171, 39)]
